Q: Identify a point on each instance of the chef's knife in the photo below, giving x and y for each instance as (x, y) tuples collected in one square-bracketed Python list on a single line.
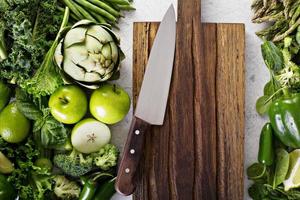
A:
[(152, 101)]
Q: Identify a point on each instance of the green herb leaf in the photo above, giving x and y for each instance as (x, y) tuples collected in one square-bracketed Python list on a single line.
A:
[(53, 133), (269, 88), (257, 191), (262, 104), (282, 166), (272, 56), (38, 124), (26, 106)]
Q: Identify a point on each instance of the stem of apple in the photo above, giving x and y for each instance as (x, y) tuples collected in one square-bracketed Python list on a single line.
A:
[(115, 89), (63, 100)]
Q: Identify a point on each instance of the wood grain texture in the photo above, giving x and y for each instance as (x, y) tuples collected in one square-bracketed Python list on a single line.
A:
[(230, 110), (198, 153)]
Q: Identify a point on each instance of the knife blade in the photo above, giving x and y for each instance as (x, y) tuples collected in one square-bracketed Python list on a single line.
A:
[(152, 101)]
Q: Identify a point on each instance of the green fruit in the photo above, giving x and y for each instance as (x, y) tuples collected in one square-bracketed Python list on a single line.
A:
[(6, 167), (5, 92), (44, 163), (90, 135), (7, 191), (68, 104), (109, 104), (14, 126), (293, 177)]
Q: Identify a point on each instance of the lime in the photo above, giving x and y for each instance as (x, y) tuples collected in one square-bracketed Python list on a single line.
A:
[(44, 163), (256, 171), (6, 167), (4, 95), (293, 178), (14, 126)]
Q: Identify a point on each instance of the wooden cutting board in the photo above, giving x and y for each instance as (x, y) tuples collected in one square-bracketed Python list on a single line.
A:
[(199, 151)]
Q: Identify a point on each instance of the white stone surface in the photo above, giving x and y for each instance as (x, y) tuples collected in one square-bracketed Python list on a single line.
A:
[(212, 11)]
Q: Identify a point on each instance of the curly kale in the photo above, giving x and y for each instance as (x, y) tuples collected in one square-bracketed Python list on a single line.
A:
[(30, 181), (30, 28), (107, 157), (41, 184)]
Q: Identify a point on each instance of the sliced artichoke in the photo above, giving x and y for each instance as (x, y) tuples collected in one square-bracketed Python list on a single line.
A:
[(89, 53)]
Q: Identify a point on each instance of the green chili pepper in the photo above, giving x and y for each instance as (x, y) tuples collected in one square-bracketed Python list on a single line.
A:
[(266, 150), (83, 180), (284, 114), (106, 191), (88, 190)]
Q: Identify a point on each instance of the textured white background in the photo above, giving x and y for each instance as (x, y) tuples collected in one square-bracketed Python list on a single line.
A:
[(212, 11)]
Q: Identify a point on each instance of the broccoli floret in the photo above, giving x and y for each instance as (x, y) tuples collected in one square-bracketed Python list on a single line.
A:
[(74, 164), (66, 189), (107, 157)]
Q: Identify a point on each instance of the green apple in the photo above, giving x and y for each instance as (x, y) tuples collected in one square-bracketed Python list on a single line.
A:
[(90, 135), (68, 104), (109, 104)]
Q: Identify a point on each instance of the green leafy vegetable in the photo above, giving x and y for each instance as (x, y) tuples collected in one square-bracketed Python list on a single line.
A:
[(263, 104), (272, 56), (47, 78), (42, 183), (269, 88), (23, 156), (259, 191), (48, 131), (30, 28)]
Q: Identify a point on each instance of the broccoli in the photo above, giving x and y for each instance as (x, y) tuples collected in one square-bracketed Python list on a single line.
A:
[(106, 157), (66, 189), (74, 164)]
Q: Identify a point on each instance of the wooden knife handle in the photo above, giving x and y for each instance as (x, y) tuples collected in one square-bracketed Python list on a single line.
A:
[(133, 150)]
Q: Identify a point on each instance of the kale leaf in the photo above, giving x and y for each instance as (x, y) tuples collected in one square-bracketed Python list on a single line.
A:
[(30, 28)]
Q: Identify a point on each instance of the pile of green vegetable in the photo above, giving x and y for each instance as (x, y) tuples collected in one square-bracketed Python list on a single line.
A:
[(276, 175), (55, 103), (99, 11)]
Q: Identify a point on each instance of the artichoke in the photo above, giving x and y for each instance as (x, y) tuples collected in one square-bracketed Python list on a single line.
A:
[(89, 53)]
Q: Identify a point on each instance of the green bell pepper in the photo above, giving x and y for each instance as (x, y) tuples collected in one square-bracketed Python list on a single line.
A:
[(7, 191), (284, 114)]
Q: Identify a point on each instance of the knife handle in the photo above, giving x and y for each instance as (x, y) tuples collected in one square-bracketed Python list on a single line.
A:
[(133, 151)]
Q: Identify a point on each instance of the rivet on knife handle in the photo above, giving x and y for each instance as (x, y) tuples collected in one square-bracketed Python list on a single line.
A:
[(132, 154)]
